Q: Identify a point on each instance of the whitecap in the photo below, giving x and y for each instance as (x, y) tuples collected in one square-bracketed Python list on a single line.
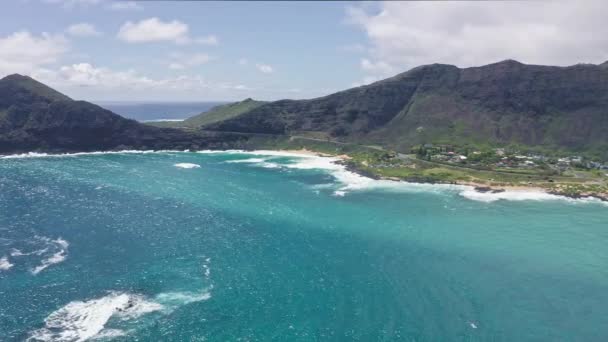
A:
[(5, 264), (187, 165), (207, 268), (350, 181), (60, 246), (248, 160), (53, 259), (83, 320), (510, 195), (525, 195), (76, 154), (176, 299)]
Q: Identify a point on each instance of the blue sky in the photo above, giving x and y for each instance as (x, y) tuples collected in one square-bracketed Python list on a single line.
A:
[(198, 51)]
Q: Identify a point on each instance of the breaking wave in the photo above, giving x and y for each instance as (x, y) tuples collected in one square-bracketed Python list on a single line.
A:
[(84, 320), (5, 264), (187, 165), (59, 247), (348, 181), (76, 154)]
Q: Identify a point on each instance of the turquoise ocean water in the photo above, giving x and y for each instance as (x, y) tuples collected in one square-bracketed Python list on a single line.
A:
[(264, 246)]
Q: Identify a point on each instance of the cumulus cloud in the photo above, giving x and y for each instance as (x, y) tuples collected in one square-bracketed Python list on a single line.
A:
[(182, 61), (265, 68), (82, 30), (402, 35), (102, 79), (153, 30), (156, 30), (125, 6), (22, 52), (88, 75)]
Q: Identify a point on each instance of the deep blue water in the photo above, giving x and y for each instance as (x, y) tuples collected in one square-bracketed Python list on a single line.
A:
[(258, 247), (150, 111)]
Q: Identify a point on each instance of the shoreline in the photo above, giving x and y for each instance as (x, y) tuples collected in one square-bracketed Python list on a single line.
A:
[(343, 159), (482, 188)]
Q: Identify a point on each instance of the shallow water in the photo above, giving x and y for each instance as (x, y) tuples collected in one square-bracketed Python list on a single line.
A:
[(229, 246)]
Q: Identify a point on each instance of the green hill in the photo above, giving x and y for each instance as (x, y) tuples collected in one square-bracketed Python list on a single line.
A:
[(34, 117), (215, 114), (498, 104)]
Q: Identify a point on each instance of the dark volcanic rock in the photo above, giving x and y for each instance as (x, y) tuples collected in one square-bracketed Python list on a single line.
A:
[(34, 117)]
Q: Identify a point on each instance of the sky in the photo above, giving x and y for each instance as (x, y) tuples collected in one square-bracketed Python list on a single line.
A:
[(100, 50)]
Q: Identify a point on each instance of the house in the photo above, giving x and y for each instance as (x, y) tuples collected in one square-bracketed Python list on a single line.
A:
[(499, 151)]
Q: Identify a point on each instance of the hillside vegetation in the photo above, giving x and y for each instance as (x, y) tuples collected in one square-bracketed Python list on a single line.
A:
[(506, 103), (215, 114)]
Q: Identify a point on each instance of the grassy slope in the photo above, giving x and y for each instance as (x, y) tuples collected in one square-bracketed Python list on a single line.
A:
[(215, 114), (546, 108)]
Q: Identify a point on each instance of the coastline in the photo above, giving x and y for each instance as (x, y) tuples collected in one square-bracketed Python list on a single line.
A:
[(479, 187), (351, 166)]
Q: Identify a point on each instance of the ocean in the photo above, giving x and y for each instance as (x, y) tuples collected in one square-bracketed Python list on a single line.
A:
[(274, 246), (158, 111)]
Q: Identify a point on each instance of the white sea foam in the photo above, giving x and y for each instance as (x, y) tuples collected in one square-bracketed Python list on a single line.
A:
[(525, 195), (348, 181), (176, 299), (83, 320), (5, 264), (510, 195), (60, 248), (187, 165), (248, 160), (207, 268), (76, 154)]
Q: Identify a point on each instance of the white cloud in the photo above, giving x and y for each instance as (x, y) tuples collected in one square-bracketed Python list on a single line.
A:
[(121, 84), (265, 68), (22, 52), (209, 40), (156, 30), (182, 61), (73, 3), (403, 35), (125, 6), (243, 61), (87, 75), (376, 67), (83, 30), (153, 30)]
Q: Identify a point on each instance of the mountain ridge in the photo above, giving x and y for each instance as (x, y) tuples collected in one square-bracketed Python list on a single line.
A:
[(507, 102), (34, 117), (503, 103)]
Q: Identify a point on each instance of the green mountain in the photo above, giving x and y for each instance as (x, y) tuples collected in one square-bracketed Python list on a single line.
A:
[(497, 104), (34, 117), (506, 103), (213, 115)]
